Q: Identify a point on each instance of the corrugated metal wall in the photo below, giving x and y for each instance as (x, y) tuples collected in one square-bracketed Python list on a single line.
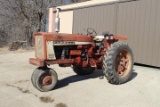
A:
[(100, 18), (139, 20)]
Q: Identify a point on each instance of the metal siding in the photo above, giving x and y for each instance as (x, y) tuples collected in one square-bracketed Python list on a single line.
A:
[(119, 17), (132, 35), (135, 33), (151, 35), (106, 18), (146, 35), (138, 20), (140, 35), (112, 18), (126, 22), (129, 23), (100, 18), (146, 32), (156, 55)]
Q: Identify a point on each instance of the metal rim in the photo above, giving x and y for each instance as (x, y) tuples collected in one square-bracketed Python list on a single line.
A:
[(46, 80), (123, 63)]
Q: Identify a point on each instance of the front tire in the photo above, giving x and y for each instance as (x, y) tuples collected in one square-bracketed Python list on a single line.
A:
[(44, 79), (34, 76), (118, 63)]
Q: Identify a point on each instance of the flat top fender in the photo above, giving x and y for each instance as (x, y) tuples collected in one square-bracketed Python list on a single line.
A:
[(117, 37)]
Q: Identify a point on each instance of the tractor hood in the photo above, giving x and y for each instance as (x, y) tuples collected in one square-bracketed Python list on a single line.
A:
[(64, 37)]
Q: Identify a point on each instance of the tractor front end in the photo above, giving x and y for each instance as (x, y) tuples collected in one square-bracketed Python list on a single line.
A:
[(62, 49)]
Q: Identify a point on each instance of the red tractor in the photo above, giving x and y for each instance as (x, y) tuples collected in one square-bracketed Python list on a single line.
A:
[(84, 53)]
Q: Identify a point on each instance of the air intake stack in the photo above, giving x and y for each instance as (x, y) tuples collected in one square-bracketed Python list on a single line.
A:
[(57, 20)]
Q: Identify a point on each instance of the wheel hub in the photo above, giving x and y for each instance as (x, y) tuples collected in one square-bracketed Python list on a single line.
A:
[(122, 61), (46, 80)]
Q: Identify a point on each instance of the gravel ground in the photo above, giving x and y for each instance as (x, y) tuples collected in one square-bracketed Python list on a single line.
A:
[(16, 90)]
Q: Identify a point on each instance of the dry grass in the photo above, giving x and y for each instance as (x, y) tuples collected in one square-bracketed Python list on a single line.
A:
[(61, 105), (46, 99)]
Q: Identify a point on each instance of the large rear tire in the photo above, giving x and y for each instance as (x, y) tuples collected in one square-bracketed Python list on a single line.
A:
[(83, 71), (118, 63)]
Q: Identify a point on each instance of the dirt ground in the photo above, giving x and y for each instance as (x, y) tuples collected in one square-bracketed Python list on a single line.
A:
[(16, 90)]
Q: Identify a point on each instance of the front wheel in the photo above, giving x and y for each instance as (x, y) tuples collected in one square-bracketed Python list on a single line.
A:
[(44, 79), (118, 63)]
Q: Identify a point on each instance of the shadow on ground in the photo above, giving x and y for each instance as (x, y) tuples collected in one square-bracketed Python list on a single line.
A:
[(134, 75), (75, 78)]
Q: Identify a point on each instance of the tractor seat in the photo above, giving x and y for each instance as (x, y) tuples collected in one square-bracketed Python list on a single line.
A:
[(101, 37), (98, 37)]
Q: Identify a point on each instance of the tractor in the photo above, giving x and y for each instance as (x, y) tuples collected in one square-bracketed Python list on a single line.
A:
[(84, 53)]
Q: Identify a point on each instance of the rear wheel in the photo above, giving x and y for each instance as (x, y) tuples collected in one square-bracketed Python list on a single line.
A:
[(83, 70), (118, 63), (44, 79)]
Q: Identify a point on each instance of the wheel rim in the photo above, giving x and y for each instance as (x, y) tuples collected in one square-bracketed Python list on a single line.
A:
[(123, 64), (46, 80)]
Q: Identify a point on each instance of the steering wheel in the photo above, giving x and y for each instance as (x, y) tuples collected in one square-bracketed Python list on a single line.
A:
[(91, 31)]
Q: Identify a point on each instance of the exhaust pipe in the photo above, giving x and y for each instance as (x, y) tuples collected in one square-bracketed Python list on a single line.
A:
[(57, 20)]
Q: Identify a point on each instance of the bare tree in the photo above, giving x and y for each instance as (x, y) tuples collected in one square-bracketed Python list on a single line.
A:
[(19, 19)]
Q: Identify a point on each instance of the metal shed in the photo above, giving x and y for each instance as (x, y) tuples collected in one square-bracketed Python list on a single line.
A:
[(137, 19)]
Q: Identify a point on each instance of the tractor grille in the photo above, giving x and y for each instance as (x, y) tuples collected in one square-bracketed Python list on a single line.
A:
[(39, 46), (50, 50)]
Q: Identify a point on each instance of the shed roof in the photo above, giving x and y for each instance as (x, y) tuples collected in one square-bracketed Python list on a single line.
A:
[(86, 4)]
